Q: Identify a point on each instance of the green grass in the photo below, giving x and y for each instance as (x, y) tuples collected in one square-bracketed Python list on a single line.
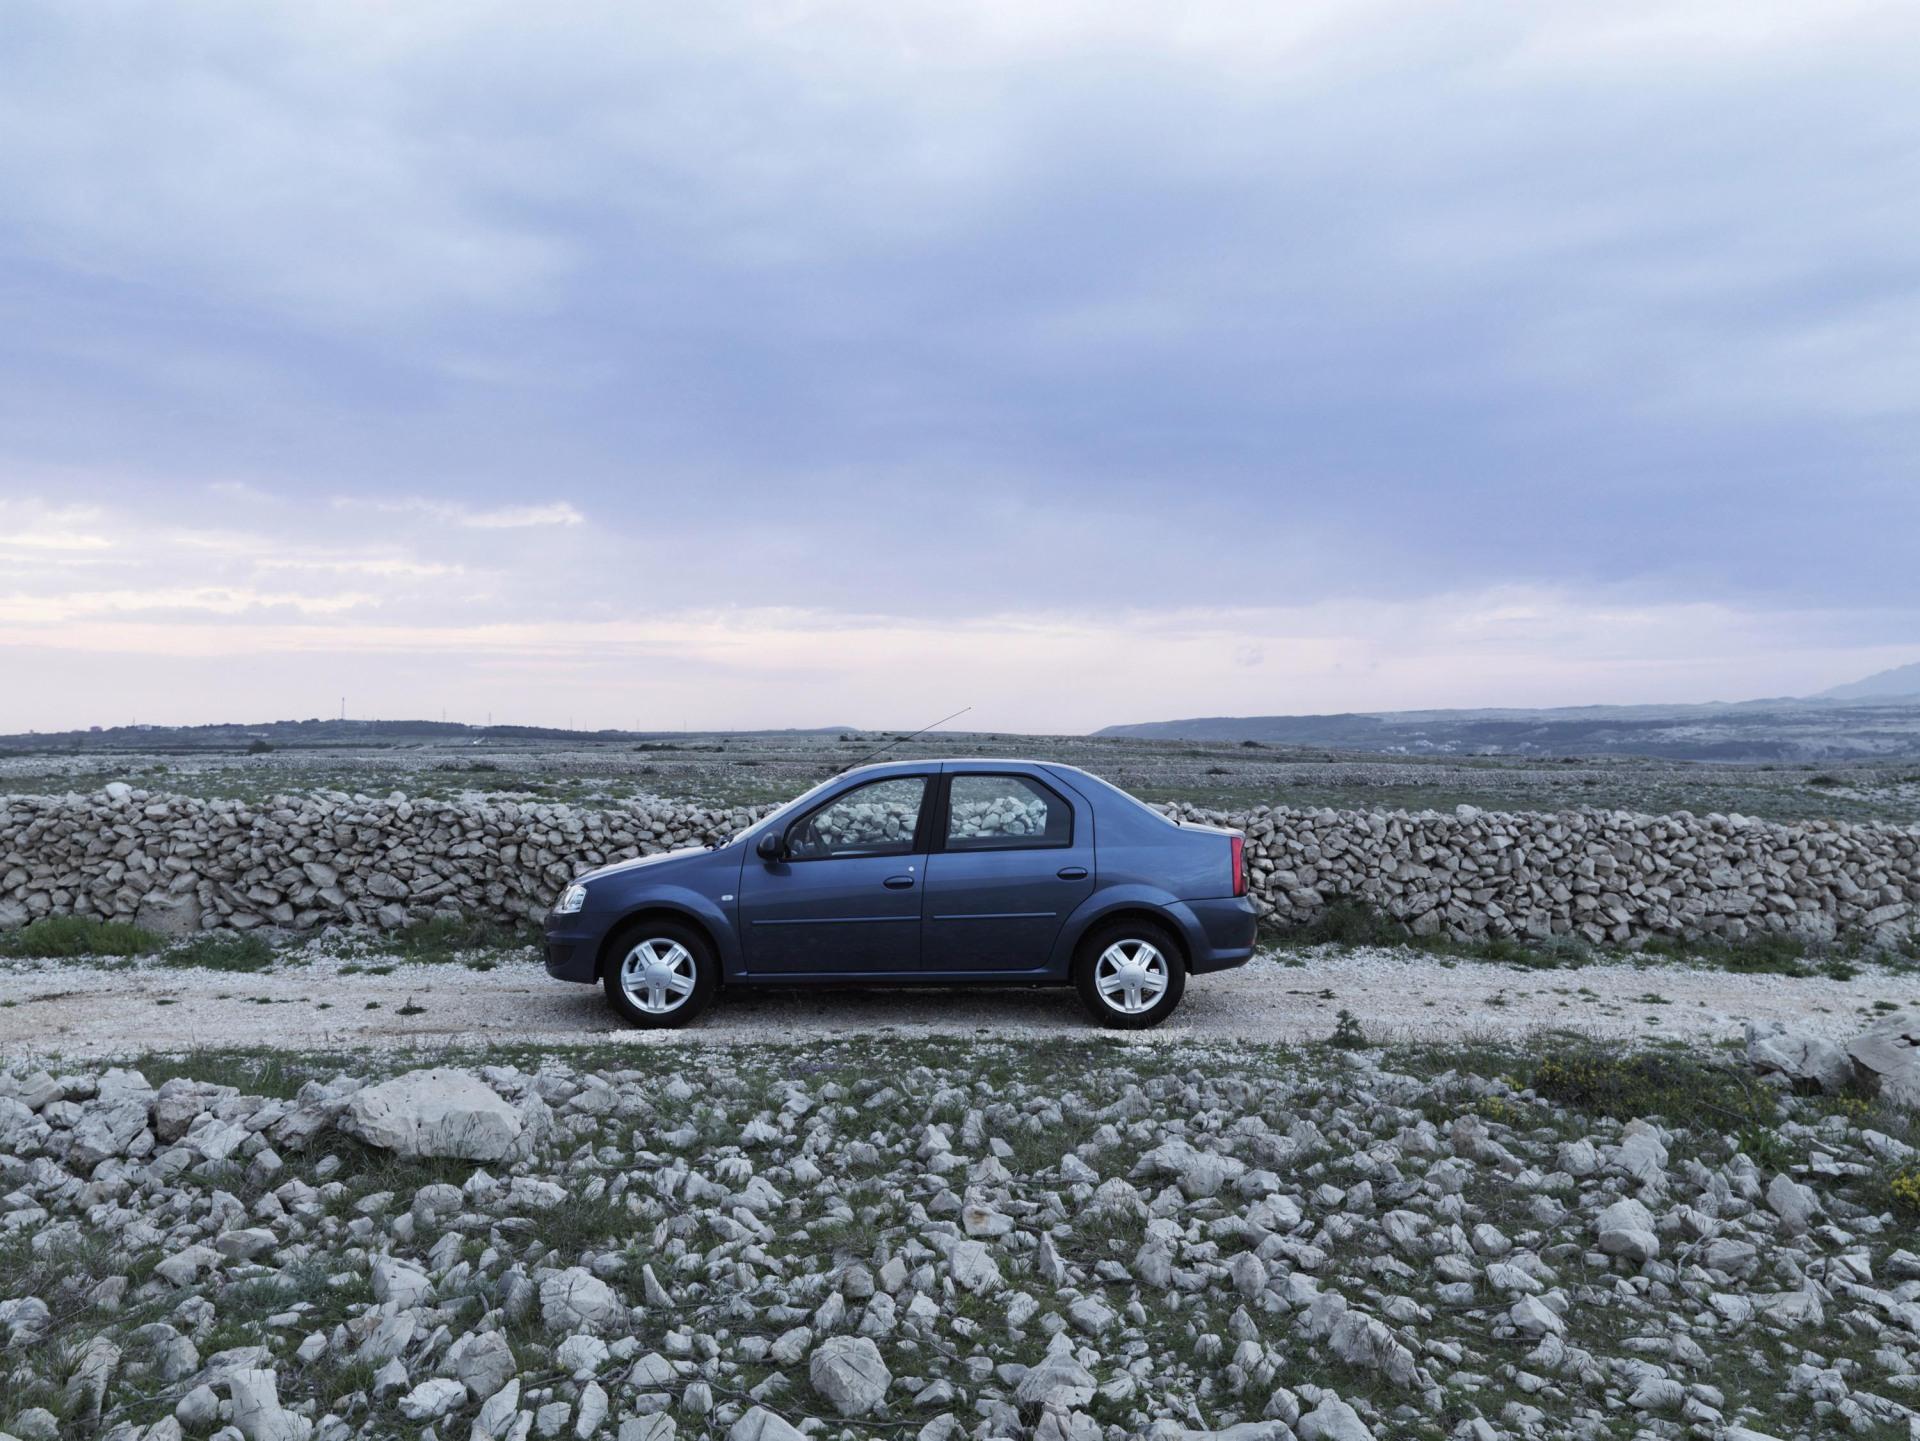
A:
[(442, 939), (255, 1071), (221, 951), (71, 937), (1683, 1086), (1347, 921)]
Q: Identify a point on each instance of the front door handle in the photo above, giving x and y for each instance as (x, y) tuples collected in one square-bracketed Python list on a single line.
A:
[(1072, 873), (898, 883)]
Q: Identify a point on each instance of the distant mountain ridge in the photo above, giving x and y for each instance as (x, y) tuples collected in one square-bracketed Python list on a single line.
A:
[(1873, 718), (1901, 681), (346, 734)]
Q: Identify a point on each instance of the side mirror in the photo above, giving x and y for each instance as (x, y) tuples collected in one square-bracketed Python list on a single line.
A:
[(770, 847)]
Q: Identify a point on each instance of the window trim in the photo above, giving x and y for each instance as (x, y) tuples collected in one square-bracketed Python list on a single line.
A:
[(939, 837), (916, 845)]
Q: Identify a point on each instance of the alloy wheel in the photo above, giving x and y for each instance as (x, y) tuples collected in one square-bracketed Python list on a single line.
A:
[(658, 975), (1131, 976)]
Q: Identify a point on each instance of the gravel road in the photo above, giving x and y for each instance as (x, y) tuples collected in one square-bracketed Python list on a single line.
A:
[(73, 1009)]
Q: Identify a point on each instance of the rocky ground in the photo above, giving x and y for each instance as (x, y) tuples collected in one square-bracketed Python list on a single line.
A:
[(875, 1238), (319, 998)]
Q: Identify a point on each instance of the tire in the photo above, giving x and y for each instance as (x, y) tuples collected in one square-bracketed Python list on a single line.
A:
[(1113, 947), (678, 953)]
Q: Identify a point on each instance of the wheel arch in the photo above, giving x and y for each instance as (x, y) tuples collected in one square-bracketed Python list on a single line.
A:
[(1133, 910), (656, 910)]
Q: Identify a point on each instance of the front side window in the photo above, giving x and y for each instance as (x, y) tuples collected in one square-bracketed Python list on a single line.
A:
[(876, 819), (1001, 813)]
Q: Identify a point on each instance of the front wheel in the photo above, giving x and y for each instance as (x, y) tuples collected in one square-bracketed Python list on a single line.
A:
[(660, 974), (1129, 974)]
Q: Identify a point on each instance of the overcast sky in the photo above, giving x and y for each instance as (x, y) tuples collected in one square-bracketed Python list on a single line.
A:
[(796, 364)]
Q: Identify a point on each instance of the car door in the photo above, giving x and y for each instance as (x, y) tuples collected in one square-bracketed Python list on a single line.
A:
[(1013, 859), (844, 898)]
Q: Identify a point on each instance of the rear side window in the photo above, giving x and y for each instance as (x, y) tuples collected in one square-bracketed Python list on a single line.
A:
[(1004, 813)]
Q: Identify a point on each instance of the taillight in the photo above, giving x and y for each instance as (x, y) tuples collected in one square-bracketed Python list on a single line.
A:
[(1239, 865)]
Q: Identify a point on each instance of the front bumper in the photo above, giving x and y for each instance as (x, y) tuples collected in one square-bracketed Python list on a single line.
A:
[(573, 947), (1220, 933)]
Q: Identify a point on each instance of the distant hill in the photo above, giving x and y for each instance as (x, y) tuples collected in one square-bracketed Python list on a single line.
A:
[(1769, 730), (338, 734), (1902, 681)]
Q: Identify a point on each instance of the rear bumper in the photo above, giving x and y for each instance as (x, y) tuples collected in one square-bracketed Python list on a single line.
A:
[(1219, 933)]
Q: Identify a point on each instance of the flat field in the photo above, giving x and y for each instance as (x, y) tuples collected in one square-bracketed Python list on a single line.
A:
[(727, 770)]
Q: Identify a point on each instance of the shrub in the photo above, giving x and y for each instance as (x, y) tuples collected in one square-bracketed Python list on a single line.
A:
[(1345, 922), (1649, 1083), (1347, 1035), (67, 937), (443, 938), (1904, 1188), (221, 951)]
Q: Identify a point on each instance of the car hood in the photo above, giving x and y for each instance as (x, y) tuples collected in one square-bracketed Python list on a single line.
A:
[(663, 858)]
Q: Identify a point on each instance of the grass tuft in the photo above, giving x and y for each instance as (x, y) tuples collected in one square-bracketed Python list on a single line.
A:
[(68, 937), (221, 951), (441, 939)]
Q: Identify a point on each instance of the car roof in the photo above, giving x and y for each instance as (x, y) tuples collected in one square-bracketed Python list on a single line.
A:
[(933, 762)]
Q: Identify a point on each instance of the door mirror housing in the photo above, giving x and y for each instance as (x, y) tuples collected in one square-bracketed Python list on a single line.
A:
[(771, 846)]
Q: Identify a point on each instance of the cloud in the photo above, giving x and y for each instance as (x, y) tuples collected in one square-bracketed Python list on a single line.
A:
[(930, 314), (40, 527), (42, 610), (506, 517)]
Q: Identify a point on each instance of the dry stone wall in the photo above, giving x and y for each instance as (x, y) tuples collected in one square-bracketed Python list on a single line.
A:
[(179, 864)]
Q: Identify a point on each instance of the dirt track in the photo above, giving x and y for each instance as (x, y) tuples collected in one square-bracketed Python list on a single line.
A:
[(64, 1008)]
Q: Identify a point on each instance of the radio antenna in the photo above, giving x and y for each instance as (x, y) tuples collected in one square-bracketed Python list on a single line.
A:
[(900, 740)]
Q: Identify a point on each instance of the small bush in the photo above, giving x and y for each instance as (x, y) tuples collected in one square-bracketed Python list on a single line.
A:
[(1904, 1188), (258, 748), (1345, 922), (221, 951), (69, 937), (1649, 1083), (444, 938), (1347, 1034)]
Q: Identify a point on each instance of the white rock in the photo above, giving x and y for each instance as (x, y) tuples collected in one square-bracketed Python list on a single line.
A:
[(1793, 1203), (581, 1354), (592, 1412), (397, 1281), (973, 1267), (1626, 1229), (256, 1408), (431, 1400), (1773, 1046), (438, 1112), (1333, 1420), (577, 1300), (498, 1410), (1888, 1058), (1533, 1317), (760, 1424), (1058, 1380), (485, 1364), (849, 1374)]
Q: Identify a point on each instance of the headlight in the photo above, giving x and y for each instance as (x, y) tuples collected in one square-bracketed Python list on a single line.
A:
[(572, 901)]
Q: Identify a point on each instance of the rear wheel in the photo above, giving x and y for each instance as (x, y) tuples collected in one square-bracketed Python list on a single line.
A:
[(1130, 974), (660, 973)]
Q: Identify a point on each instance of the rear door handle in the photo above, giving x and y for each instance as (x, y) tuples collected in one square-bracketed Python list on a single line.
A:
[(1072, 873), (898, 883)]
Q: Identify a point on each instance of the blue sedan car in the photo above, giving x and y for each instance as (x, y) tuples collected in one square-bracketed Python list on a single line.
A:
[(954, 872)]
